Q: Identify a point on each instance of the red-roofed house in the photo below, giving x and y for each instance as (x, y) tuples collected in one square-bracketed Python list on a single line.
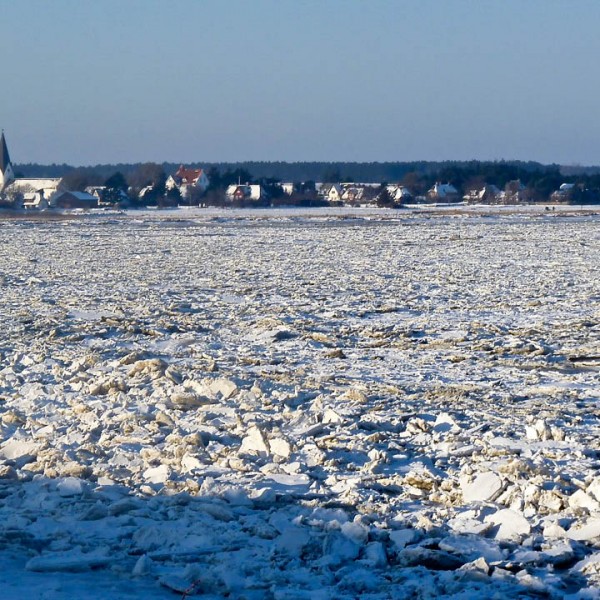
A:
[(186, 179)]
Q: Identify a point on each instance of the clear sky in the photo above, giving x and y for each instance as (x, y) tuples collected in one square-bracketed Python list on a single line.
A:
[(105, 81)]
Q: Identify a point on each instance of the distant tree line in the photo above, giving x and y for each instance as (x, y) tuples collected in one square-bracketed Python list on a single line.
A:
[(149, 178), (366, 172)]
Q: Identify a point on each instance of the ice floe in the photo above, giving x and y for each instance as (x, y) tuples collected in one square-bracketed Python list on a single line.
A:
[(287, 405)]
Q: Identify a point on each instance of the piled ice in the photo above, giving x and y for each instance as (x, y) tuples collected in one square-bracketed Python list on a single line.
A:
[(300, 407)]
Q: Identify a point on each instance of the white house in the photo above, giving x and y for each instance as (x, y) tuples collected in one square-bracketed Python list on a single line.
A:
[(288, 188), (353, 194), (186, 180), (331, 191), (399, 193), (35, 201), (443, 192), (487, 194), (104, 196), (245, 192), (48, 186), (514, 192), (564, 193)]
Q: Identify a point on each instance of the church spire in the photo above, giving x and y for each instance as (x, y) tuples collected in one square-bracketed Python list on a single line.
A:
[(4, 157), (6, 170)]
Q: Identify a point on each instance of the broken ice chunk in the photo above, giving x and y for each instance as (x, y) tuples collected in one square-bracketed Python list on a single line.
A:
[(158, 474), (70, 486), (512, 525), (486, 487), (72, 561), (255, 442)]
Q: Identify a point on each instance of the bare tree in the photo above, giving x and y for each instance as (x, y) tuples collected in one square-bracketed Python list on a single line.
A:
[(146, 174), (78, 179)]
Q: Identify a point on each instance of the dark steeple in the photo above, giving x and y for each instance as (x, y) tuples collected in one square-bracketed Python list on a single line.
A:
[(4, 157)]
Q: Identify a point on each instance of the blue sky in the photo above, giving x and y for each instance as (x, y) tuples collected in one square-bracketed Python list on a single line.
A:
[(102, 81)]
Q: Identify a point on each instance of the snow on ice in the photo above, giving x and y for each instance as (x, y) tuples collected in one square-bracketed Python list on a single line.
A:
[(300, 405)]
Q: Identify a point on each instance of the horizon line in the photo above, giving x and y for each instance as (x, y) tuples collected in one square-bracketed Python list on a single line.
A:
[(314, 161)]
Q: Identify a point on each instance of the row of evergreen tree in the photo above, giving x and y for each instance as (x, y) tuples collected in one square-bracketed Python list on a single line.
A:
[(298, 171)]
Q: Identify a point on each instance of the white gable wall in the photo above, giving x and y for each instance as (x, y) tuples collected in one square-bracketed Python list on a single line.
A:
[(255, 192), (335, 193), (7, 176), (202, 181)]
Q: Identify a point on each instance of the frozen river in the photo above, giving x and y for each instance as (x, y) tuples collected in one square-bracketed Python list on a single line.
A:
[(300, 405)]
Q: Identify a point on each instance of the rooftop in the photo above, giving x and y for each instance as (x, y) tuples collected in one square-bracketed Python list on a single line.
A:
[(4, 156)]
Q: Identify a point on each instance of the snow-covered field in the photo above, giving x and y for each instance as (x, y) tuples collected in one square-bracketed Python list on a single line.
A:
[(300, 405)]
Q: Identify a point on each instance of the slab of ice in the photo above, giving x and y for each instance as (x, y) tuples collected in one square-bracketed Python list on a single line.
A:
[(588, 531), (19, 448), (486, 487), (70, 486), (255, 442), (511, 524), (68, 562), (159, 474)]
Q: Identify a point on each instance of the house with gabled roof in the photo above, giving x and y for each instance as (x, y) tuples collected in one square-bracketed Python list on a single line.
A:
[(47, 186), (399, 193), (107, 196), (74, 200), (564, 193), (186, 180), (353, 194), (515, 192), (288, 188), (486, 194), (35, 201), (246, 191), (443, 192), (331, 191)]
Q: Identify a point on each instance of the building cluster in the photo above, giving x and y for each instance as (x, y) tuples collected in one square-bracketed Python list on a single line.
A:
[(190, 186), (37, 193), (42, 193), (514, 192), (366, 193)]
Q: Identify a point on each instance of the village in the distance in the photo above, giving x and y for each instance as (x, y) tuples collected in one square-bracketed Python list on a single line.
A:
[(150, 185)]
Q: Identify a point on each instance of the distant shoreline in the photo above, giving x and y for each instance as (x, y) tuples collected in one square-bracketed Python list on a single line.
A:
[(314, 212)]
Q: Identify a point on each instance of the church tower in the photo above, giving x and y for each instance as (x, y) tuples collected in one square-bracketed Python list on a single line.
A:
[(6, 171)]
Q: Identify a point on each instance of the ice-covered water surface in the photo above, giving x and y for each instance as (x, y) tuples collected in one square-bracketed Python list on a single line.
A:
[(311, 406)]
